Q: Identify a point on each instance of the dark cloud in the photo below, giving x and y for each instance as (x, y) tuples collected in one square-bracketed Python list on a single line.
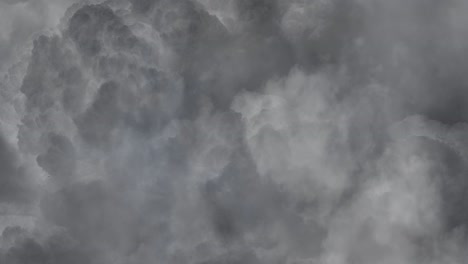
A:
[(57, 249), (16, 185), (60, 158), (249, 131), (91, 25)]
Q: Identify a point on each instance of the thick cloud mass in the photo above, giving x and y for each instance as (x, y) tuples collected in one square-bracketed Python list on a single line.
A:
[(233, 131)]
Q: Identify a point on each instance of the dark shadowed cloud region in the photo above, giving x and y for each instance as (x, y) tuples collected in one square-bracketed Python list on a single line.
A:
[(233, 131)]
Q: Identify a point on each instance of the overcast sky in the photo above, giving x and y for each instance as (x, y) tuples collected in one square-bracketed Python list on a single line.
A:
[(233, 131)]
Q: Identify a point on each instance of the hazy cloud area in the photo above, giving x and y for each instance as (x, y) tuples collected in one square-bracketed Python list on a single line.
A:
[(233, 132)]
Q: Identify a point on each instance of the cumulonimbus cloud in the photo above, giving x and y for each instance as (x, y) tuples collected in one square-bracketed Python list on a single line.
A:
[(237, 131)]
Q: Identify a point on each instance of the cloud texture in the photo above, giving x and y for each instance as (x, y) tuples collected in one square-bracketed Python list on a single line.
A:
[(233, 131)]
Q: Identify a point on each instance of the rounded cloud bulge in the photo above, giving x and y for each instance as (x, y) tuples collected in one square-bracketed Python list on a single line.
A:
[(233, 131)]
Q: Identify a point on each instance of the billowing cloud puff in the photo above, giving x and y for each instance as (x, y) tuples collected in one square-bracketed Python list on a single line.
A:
[(249, 131)]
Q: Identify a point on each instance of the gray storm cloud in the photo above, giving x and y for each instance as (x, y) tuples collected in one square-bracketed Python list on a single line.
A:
[(233, 131)]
